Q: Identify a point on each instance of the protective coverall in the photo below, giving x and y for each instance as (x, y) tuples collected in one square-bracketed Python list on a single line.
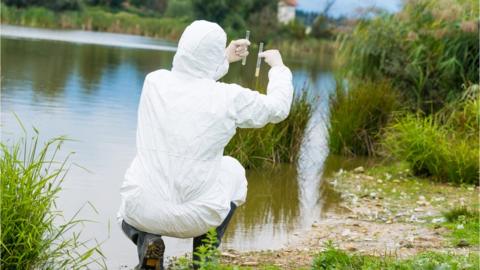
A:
[(179, 183)]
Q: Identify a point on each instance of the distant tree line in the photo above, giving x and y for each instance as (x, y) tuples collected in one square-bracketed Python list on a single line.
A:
[(259, 16)]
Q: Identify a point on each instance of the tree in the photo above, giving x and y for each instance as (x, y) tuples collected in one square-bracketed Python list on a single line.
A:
[(51, 4), (233, 15), (152, 5)]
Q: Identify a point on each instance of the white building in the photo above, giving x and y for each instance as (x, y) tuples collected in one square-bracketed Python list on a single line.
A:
[(286, 11)]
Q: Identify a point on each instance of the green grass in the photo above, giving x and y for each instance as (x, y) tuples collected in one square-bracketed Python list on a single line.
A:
[(464, 225), (357, 114), (274, 143), (333, 258), (34, 233), (446, 151)]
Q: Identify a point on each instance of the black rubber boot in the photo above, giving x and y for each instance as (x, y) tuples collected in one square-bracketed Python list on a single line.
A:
[(150, 248), (151, 253)]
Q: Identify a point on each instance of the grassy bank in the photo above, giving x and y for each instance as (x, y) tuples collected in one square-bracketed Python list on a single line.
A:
[(95, 19), (333, 258), (274, 143), (34, 233)]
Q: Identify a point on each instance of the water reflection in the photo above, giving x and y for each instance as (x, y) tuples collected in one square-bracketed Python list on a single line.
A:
[(91, 93)]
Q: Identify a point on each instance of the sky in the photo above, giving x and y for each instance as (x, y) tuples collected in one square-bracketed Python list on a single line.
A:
[(348, 7)]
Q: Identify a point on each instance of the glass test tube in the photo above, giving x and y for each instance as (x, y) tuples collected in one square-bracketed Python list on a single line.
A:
[(259, 60), (247, 36)]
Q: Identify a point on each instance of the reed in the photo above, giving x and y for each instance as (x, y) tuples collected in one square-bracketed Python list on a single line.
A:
[(274, 143), (34, 233), (358, 112)]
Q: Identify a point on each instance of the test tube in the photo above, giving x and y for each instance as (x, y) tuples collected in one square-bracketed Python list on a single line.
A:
[(247, 36), (259, 60)]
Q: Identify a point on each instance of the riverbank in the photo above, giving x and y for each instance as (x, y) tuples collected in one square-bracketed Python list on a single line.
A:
[(386, 213)]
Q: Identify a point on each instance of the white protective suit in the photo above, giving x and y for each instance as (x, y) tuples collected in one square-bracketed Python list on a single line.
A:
[(179, 183)]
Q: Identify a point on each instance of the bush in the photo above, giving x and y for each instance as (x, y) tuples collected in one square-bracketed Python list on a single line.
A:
[(274, 143), (357, 114), (31, 235), (439, 146), (427, 50)]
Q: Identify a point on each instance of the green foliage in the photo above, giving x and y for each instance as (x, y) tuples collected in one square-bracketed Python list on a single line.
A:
[(428, 50), (335, 259), (464, 225), (96, 19), (458, 213), (294, 29), (179, 9), (208, 256), (321, 27), (51, 4), (274, 143), (237, 16), (158, 6), (33, 235), (447, 150), (357, 114)]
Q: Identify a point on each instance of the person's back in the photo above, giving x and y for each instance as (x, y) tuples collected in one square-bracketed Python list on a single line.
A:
[(179, 183)]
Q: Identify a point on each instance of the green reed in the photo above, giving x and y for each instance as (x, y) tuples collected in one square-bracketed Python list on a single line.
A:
[(357, 115), (274, 143), (34, 233)]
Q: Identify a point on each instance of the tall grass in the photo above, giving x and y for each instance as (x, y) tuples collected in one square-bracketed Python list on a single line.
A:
[(444, 145), (357, 114), (33, 235), (274, 143), (427, 50)]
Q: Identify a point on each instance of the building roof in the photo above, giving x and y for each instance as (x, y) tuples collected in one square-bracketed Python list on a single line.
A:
[(292, 3)]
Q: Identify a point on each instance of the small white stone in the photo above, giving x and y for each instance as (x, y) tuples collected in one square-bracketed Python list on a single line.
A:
[(359, 169)]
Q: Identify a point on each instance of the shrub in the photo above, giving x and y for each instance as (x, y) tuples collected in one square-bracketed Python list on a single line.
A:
[(427, 50), (357, 114), (31, 235), (433, 149)]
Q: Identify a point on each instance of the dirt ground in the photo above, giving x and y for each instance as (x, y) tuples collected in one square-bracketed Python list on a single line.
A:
[(385, 215)]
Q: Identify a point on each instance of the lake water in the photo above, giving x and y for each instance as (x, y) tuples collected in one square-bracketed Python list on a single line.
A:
[(87, 86)]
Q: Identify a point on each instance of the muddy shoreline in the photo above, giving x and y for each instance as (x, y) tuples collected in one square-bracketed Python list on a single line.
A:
[(381, 214)]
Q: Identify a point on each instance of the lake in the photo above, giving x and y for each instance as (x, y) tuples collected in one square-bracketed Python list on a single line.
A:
[(87, 86)]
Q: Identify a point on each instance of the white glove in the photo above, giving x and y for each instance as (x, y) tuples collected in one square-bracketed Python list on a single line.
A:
[(237, 50), (272, 57)]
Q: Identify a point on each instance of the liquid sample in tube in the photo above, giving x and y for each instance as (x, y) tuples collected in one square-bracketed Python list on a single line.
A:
[(259, 60), (247, 37)]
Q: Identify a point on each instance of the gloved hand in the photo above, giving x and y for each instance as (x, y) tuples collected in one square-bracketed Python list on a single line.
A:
[(237, 50), (272, 57)]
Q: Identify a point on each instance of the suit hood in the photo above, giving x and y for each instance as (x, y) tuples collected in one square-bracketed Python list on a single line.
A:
[(201, 51)]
